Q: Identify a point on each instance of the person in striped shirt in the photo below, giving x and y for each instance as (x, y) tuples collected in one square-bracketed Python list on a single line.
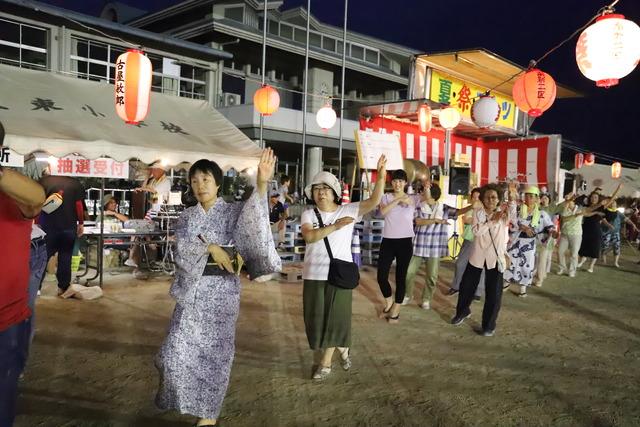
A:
[(430, 242)]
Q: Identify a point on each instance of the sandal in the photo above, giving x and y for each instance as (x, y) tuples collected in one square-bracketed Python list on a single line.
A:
[(393, 319), (321, 373), (385, 312), (346, 360)]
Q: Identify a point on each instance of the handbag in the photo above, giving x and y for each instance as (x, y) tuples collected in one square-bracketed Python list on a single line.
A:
[(342, 274), (213, 269)]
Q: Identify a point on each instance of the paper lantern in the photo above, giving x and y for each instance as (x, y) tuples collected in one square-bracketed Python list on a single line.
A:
[(485, 111), (132, 86), (589, 159), (424, 118), (608, 50), (449, 118), (534, 92), (326, 117), (616, 170), (266, 100), (578, 160)]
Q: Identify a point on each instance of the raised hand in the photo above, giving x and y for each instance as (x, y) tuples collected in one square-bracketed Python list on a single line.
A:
[(382, 167), (265, 169)]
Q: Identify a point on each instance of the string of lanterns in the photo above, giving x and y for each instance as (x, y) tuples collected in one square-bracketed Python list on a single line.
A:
[(589, 159)]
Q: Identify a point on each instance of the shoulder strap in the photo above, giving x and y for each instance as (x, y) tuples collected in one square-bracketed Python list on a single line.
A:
[(491, 236), (326, 240)]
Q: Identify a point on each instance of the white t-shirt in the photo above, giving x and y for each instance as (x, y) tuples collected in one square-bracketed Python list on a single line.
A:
[(283, 191), (316, 258), (162, 189)]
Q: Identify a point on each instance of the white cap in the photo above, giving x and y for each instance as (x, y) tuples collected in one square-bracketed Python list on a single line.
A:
[(324, 178)]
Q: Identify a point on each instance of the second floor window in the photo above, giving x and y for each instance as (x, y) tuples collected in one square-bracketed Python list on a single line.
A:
[(23, 45)]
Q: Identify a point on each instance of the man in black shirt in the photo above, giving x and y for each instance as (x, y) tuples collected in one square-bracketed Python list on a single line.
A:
[(277, 218), (64, 224)]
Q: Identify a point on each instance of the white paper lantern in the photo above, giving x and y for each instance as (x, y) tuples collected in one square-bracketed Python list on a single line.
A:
[(608, 50), (485, 111), (424, 118), (326, 117), (449, 118)]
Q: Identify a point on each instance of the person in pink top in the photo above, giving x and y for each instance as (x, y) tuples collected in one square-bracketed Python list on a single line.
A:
[(397, 243), (490, 229)]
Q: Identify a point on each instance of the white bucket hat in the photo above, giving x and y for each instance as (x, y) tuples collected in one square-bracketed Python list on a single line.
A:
[(324, 178)]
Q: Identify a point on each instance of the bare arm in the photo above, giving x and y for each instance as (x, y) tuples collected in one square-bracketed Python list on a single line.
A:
[(312, 235), (385, 209), (370, 204), (28, 194), (430, 221), (265, 170)]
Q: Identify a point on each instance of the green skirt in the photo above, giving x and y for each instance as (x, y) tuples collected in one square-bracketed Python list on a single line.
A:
[(327, 314)]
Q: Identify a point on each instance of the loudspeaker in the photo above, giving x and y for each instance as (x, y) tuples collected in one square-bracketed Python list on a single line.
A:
[(459, 180), (569, 181)]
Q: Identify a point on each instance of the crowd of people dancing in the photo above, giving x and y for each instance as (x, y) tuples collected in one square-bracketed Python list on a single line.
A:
[(508, 241)]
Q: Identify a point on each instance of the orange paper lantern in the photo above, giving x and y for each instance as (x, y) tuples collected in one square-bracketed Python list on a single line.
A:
[(616, 170), (589, 159), (534, 92), (578, 160), (266, 100), (132, 86), (424, 118)]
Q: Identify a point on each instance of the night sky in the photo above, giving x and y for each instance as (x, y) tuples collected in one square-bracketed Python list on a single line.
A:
[(605, 120)]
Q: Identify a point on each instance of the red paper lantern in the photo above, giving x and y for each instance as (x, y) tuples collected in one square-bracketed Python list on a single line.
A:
[(589, 159), (424, 118), (578, 160), (132, 86), (534, 92), (616, 170), (266, 100)]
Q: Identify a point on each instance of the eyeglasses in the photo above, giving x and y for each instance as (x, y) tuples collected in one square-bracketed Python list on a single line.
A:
[(320, 188)]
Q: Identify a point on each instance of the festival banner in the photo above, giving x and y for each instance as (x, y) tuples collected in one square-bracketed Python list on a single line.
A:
[(94, 168)]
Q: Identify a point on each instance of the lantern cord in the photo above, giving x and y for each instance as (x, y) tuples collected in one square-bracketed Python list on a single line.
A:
[(103, 34), (601, 155), (534, 62)]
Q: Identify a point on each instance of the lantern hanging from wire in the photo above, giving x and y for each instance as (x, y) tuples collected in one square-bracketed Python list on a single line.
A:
[(609, 49), (424, 118), (132, 86), (485, 111), (589, 159), (534, 92), (326, 117), (449, 118), (616, 170), (266, 100), (578, 160)]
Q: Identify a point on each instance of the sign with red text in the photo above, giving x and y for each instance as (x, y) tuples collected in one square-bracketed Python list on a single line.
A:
[(93, 168)]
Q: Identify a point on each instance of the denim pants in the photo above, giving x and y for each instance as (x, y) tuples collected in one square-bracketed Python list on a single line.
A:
[(37, 265), (14, 347)]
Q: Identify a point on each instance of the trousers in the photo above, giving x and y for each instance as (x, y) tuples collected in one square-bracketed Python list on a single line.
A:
[(400, 250), (493, 294)]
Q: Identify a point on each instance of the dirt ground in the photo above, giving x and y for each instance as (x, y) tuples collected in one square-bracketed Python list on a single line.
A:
[(567, 355)]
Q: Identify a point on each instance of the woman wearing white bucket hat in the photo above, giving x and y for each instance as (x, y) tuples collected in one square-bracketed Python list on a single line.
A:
[(327, 309)]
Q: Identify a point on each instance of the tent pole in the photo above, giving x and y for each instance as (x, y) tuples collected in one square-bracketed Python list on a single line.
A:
[(305, 96), (101, 239), (264, 65), (344, 62)]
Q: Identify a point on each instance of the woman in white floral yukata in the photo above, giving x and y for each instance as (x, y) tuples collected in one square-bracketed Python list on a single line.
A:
[(196, 357)]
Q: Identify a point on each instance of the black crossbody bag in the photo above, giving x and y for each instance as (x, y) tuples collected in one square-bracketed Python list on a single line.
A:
[(342, 274)]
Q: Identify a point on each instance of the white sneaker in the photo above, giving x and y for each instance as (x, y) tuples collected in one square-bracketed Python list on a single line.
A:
[(425, 305), (406, 301), (321, 373), (590, 270), (572, 274), (560, 272), (581, 263), (130, 263), (617, 265)]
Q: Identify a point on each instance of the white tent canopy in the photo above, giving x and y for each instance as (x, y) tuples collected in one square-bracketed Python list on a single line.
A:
[(60, 115), (600, 176)]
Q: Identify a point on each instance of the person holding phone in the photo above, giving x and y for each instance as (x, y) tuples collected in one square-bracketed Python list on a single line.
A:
[(196, 356)]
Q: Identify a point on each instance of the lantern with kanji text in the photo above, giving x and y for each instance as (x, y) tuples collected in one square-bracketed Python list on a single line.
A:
[(485, 111), (589, 159), (616, 170), (266, 100), (578, 160), (609, 49), (132, 86), (424, 118), (534, 92)]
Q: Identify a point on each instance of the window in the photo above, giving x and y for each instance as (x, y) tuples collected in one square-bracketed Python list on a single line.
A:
[(272, 27), (357, 52), (329, 44), (315, 39), (384, 62), (23, 45), (286, 31), (300, 35), (371, 56), (234, 13)]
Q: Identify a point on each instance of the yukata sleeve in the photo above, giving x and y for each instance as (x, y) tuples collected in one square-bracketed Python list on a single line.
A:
[(253, 238)]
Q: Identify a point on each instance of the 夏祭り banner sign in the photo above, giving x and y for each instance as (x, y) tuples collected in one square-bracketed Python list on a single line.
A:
[(94, 168), (460, 94)]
